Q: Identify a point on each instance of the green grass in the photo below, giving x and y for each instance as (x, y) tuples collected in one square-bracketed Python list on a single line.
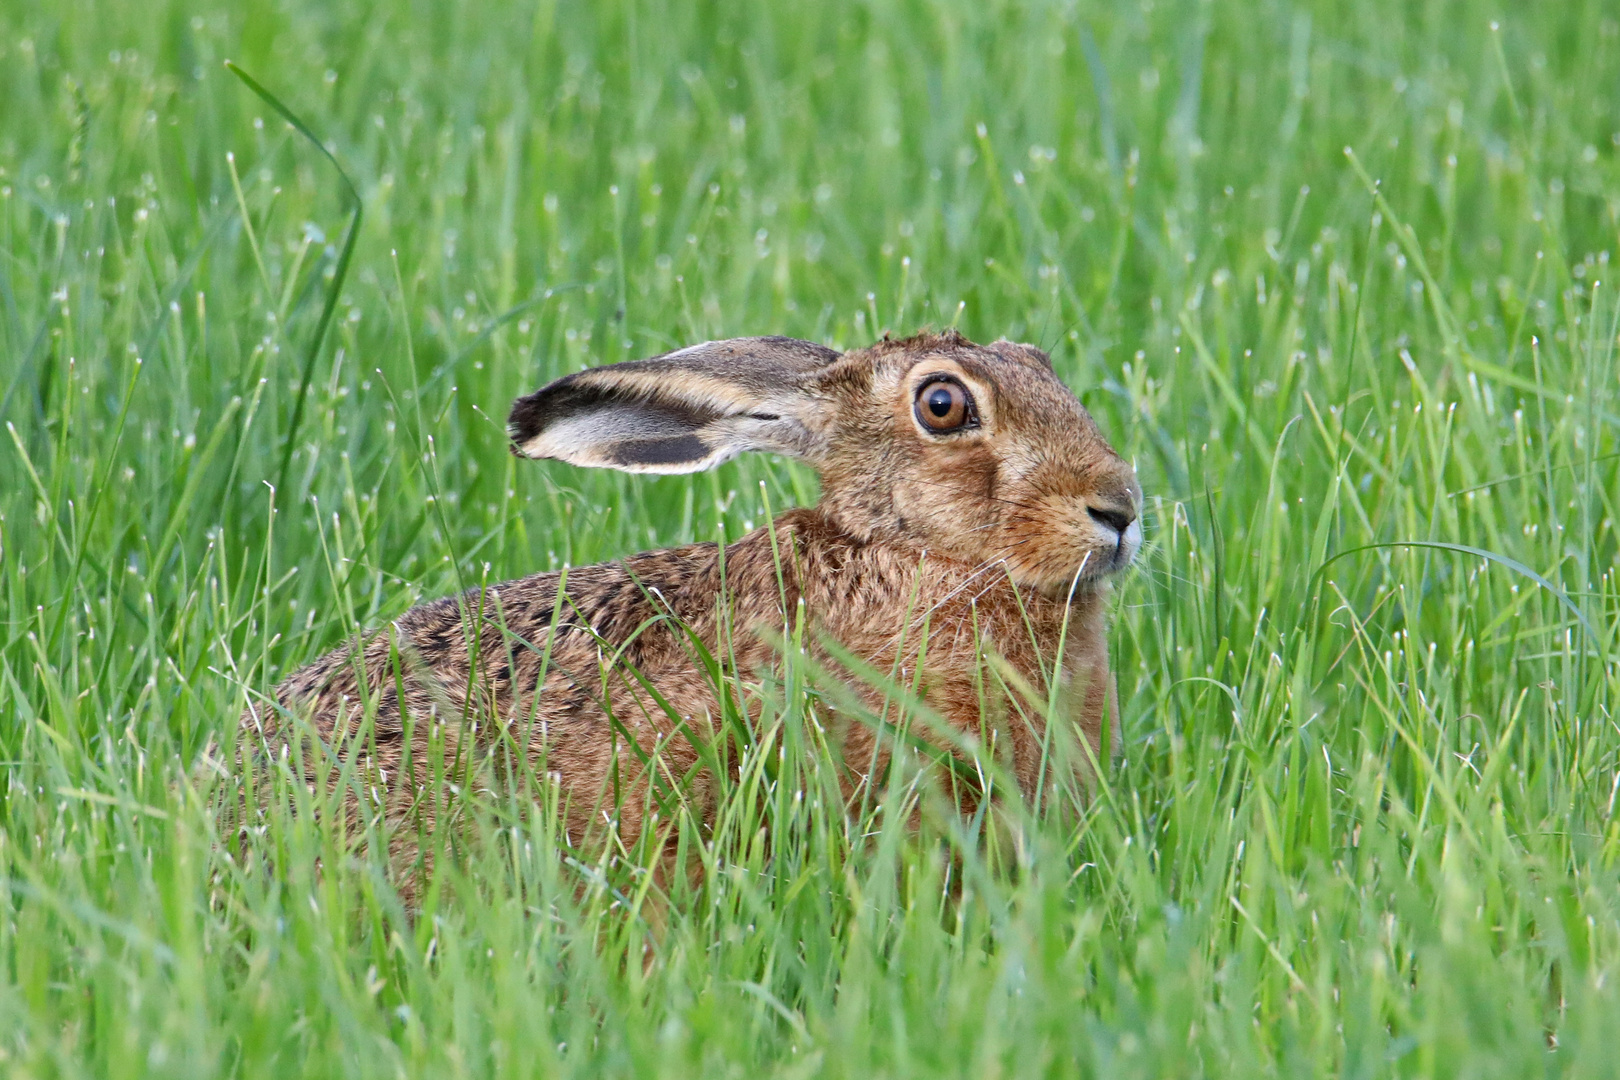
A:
[(1364, 821)]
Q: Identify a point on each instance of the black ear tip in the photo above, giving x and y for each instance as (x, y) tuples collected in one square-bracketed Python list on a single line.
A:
[(524, 421), (533, 413)]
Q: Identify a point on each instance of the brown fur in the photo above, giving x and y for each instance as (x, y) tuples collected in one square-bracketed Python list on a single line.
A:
[(984, 539)]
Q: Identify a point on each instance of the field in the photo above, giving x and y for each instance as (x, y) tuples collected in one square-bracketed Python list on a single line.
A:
[(1337, 277)]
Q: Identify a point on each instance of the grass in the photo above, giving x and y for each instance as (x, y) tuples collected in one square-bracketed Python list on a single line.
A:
[(1336, 276)]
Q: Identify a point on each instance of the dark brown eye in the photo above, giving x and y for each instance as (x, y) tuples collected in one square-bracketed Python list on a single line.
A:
[(944, 405)]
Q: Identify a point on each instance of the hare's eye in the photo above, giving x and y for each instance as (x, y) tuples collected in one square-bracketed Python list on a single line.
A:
[(944, 405)]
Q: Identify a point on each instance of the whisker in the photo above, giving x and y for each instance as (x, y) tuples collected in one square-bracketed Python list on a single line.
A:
[(989, 564)]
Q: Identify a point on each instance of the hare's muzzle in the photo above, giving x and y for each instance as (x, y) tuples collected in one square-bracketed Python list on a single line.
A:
[(1117, 530), (1116, 516)]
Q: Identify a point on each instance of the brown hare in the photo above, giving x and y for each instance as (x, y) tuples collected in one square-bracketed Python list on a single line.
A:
[(969, 506)]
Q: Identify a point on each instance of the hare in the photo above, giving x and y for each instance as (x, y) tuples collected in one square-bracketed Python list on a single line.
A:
[(969, 504)]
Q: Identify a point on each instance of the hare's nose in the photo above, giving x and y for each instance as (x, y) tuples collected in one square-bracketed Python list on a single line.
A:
[(1116, 515)]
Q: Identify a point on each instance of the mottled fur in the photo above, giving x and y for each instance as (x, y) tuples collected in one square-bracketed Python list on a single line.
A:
[(990, 539)]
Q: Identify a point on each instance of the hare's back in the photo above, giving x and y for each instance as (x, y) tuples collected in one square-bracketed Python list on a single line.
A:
[(479, 657)]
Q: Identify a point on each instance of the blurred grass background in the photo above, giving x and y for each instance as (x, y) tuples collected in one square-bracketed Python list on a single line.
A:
[(1335, 276)]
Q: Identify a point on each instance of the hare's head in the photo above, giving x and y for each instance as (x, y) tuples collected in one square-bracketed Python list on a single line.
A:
[(977, 453)]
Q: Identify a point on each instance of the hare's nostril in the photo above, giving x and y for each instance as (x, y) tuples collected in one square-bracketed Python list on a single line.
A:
[(1116, 518)]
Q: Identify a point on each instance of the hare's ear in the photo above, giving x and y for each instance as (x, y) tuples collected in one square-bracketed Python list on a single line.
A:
[(681, 412)]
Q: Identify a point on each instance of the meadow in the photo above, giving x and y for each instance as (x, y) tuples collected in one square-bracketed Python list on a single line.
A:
[(1336, 277)]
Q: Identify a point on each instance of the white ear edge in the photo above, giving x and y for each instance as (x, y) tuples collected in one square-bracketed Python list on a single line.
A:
[(684, 351), (606, 441)]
